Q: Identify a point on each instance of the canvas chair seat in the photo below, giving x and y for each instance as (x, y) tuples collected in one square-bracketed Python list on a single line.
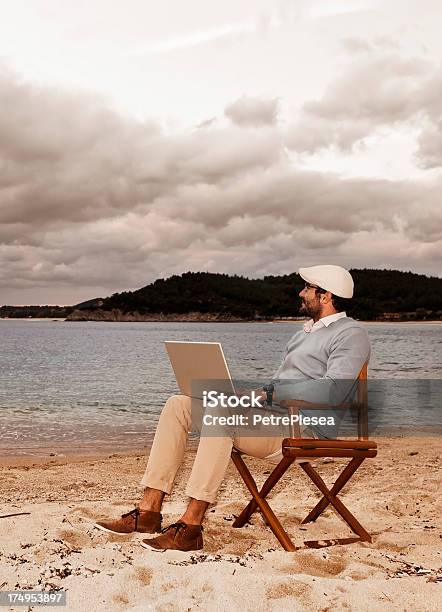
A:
[(301, 450)]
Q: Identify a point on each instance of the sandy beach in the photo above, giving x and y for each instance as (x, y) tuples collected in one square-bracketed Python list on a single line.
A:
[(396, 496)]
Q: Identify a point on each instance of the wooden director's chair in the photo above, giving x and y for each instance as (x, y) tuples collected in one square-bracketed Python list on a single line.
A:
[(305, 448)]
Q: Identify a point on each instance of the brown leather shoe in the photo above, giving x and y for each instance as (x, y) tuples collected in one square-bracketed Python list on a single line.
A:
[(141, 521), (178, 536)]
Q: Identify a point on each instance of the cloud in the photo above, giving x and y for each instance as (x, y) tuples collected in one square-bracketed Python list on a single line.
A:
[(430, 145), (206, 123), (353, 44), (255, 112), (68, 158), (379, 89), (92, 202), (356, 45), (384, 88)]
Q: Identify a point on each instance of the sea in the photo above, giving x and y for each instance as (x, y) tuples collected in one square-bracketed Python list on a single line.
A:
[(88, 387)]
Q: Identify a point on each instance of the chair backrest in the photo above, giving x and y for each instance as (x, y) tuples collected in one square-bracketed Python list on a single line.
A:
[(359, 403), (362, 403)]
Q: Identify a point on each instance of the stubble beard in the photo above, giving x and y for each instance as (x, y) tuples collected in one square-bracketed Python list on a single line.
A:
[(309, 310)]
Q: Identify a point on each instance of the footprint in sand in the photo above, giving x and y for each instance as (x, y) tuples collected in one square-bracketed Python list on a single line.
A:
[(84, 512), (294, 588), (76, 539), (144, 575), (315, 565)]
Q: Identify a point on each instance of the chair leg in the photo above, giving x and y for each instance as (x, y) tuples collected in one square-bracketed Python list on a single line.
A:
[(271, 481), (348, 517), (267, 512), (342, 480)]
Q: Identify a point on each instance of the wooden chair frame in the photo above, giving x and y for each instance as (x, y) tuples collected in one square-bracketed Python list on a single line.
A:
[(292, 448)]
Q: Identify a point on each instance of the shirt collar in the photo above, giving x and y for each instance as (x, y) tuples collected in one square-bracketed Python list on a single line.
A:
[(310, 326)]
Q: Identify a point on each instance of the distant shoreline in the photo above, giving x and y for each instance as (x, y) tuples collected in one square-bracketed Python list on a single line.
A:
[(62, 319), (300, 321)]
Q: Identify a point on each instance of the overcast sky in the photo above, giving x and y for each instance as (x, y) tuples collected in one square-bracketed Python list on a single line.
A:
[(140, 139)]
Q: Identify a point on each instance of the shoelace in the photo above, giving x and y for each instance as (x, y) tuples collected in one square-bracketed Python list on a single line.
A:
[(135, 513), (176, 526)]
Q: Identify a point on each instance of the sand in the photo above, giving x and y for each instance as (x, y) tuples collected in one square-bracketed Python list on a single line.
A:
[(396, 496)]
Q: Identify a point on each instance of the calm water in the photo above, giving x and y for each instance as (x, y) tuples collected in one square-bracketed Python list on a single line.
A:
[(85, 386)]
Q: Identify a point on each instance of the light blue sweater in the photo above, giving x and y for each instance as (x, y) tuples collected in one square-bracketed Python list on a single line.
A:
[(321, 367)]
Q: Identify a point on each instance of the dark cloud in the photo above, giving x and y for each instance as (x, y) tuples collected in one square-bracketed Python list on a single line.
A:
[(67, 157), (254, 112), (92, 202)]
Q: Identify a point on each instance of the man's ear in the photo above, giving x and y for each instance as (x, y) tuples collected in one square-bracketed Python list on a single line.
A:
[(326, 297)]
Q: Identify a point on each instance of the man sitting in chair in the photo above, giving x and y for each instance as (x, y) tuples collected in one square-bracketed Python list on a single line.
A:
[(331, 346)]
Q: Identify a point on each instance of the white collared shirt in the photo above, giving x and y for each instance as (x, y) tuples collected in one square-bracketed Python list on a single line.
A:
[(311, 326)]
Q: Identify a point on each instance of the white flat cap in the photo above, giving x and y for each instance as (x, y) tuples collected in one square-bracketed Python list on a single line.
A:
[(335, 279)]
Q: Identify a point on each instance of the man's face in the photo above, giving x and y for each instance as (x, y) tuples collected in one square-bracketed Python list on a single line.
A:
[(310, 301)]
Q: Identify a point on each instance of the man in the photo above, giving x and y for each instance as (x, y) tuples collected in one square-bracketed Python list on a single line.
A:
[(331, 346)]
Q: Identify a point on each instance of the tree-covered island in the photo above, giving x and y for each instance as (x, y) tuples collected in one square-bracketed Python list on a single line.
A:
[(380, 295)]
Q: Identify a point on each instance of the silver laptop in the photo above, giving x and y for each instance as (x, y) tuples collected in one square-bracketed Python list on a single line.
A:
[(199, 366)]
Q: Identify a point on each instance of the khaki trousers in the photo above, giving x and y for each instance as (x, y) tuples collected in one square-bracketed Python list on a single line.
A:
[(212, 457)]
